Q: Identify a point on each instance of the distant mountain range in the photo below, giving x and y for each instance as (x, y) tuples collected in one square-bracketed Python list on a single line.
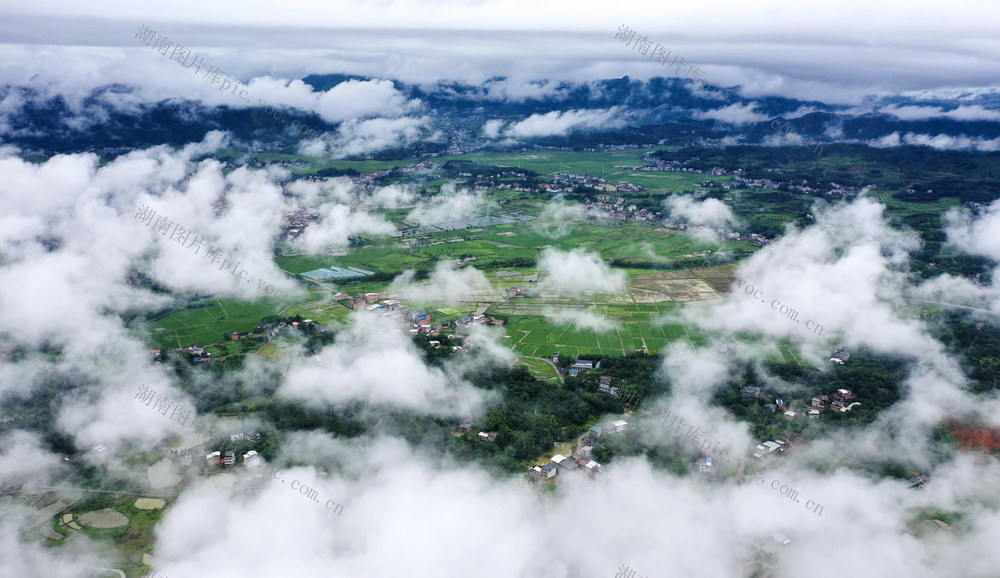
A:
[(582, 115)]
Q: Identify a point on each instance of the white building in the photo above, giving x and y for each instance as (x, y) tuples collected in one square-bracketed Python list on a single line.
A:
[(251, 459)]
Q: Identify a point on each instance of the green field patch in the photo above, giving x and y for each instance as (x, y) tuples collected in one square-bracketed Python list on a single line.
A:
[(324, 312), (540, 369), (673, 331), (208, 322)]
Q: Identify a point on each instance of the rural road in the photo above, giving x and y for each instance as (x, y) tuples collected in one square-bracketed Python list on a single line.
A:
[(120, 493)]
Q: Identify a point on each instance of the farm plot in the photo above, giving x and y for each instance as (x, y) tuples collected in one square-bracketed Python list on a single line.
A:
[(324, 312), (667, 287), (205, 323), (539, 337)]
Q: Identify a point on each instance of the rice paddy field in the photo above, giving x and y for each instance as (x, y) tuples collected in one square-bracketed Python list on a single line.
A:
[(541, 337), (506, 254), (636, 314), (206, 322)]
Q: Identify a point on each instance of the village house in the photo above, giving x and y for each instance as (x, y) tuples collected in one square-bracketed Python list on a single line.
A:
[(840, 357), (251, 459), (768, 447), (549, 470), (564, 463)]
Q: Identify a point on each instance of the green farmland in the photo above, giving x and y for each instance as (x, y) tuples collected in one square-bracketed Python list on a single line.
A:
[(536, 336), (507, 255), (206, 322)]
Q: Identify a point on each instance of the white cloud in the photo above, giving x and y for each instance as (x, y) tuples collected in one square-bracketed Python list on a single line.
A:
[(711, 214), (447, 284), (733, 114), (578, 271), (364, 136), (374, 361), (491, 128), (948, 142), (450, 204), (557, 218), (581, 319), (976, 235), (965, 112), (889, 140), (337, 224), (393, 196), (559, 122)]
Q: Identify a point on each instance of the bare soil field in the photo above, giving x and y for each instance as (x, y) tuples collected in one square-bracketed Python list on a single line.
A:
[(106, 518), (669, 287)]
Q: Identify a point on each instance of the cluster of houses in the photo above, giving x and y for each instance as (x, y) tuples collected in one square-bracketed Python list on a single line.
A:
[(841, 402), (482, 181), (604, 386), (419, 321), (477, 319), (565, 182), (660, 165), (684, 226), (276, 330), (579, 366), (296, 222), (560, 462), (360, 301), (226, 459), (840, 356), (598, 431), (618, 210), (745, 183), (370, 181), (581, 460), (198, 353), (768, 447), (519, 291)]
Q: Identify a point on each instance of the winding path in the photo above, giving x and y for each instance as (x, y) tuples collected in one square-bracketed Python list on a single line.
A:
[(549, 361)]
